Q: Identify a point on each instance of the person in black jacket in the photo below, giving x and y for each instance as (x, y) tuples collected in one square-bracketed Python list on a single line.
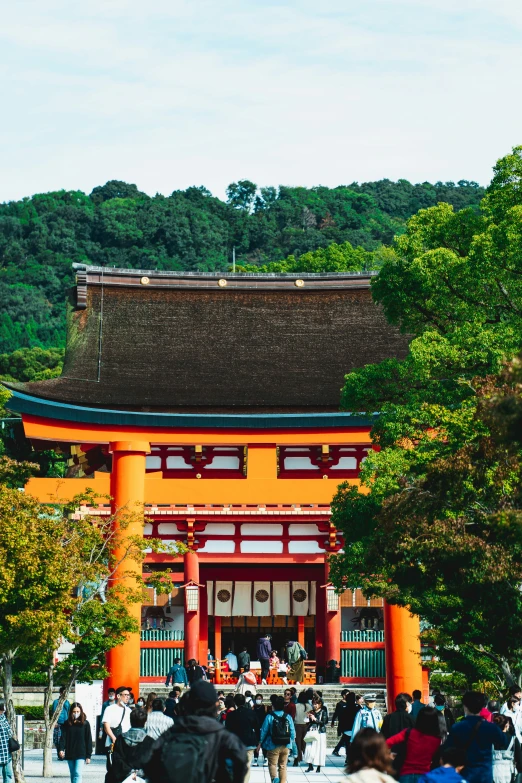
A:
[(395, 722), (132, 749), (75, 744), (222, 754), (345, 713), (244, 724), (194, 671)]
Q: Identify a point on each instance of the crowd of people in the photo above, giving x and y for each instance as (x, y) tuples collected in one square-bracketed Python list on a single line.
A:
[(200, 735)]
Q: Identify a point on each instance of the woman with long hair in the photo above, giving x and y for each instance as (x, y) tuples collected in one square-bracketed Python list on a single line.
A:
[(318, 717), (150, 699), (419, 745), (75, 744), (369, 758)]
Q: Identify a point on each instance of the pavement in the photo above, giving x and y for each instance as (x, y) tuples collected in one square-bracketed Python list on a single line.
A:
[(95, 771)]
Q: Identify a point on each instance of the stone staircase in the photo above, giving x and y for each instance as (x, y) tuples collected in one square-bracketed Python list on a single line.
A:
[(331, 695)]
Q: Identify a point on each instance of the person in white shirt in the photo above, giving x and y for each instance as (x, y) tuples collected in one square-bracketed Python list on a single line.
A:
[(116, 720), (157, 722)]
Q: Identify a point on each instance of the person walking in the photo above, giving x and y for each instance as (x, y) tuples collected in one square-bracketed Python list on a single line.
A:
[(243, 723), (478, 738), (289, 708), (157, 721), (177, 674), (277, 739), (132, 749), (62, 717), (369, 758), (6, 762), (318, 717), (116, 721), (400, 719), (259, 711), (419, 745), (346, 717), (194, 672), (296, 656), (417, 704), (263, 650), (301, 723), (368, 716), (197, 749), (76, 742), (439, 703), (243, 659)]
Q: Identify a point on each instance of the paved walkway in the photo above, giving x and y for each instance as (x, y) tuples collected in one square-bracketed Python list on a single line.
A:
[(95, 771)]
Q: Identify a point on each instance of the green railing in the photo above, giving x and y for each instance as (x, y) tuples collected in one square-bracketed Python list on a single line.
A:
[(362, 663), (362, 636), (158, 635), (156, 661)]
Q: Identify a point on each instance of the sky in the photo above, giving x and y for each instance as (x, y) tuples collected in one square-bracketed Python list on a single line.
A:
[(173, 93)]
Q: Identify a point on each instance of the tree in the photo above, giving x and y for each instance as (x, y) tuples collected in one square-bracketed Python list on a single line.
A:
[(58, 582), (439, 522), (241, 195)]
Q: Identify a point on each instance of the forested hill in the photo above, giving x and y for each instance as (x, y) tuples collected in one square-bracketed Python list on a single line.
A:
[(117, 225)]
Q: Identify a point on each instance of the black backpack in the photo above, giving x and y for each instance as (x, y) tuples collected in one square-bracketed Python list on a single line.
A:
[(280, 730), (184, 757)]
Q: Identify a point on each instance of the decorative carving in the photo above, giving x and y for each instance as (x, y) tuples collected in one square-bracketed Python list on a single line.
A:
[(262, 596), (224, 596), (299, 596)]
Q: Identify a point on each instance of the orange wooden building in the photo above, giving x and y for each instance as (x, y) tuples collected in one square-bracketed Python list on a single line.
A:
[(212, 402)]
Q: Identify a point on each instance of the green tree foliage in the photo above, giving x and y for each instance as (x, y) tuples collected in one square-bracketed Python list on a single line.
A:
[(438, 526), (117, 225)]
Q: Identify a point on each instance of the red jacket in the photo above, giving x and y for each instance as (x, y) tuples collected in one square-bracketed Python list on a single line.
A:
[(419, 751)]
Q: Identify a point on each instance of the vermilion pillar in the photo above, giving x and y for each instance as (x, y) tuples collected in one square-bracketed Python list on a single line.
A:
[(203, 626), (191, 565), (217, 638), (332, 641), (402, 645), (128, 495)]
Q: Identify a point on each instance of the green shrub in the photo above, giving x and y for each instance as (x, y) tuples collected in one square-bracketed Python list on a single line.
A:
[(30, 713)]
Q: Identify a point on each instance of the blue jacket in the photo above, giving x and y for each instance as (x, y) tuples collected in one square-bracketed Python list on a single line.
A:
[(264, 648), (64, 714), (479, 756), (442, 775), (266, 731), (178, 674)]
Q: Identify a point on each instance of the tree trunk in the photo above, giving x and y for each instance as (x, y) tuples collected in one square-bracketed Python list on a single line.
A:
[(7, 679), (49, 722)]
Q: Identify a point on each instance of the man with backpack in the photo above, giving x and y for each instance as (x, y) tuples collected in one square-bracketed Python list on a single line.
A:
[(243, 723), (197, 749), (277, 739)]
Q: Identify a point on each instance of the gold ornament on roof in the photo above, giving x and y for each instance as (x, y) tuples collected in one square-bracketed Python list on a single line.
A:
[(145, 280), (222, 283), (299, 283)]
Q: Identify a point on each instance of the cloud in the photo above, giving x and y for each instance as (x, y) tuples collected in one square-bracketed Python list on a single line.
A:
[(178, 93)]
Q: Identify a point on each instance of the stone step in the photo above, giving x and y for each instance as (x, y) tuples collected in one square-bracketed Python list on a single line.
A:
[(331, 694)]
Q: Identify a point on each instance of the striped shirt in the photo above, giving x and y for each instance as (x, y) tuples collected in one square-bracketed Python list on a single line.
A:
[(157, 724)]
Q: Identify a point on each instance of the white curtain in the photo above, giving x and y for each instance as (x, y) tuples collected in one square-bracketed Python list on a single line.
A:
[(223, 599), (313, 598), (300, 598), (262, 599), (242, 603), (281, 597), (210, 598)]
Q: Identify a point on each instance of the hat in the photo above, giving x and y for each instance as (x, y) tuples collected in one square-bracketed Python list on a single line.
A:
[(370, 697), (203, 693)]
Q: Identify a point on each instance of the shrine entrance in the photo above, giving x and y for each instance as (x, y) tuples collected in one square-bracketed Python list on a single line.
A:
[(239, 632)]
